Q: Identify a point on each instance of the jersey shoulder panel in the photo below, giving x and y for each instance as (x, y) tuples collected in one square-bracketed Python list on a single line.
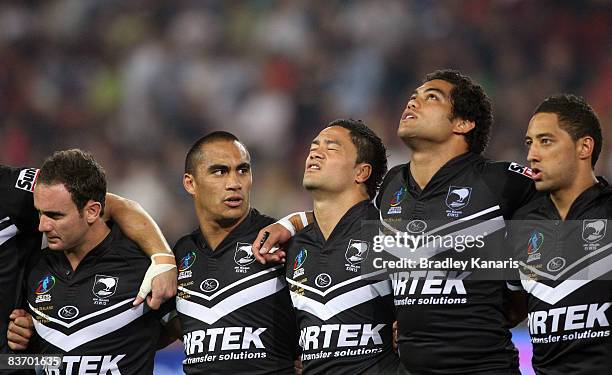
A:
[(389, 176), (511, 182), (16, 186)]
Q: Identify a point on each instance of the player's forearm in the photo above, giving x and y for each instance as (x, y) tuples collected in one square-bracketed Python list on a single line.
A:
[(137, 224)]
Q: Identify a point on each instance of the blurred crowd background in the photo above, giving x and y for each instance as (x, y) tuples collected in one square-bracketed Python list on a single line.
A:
[(137, 82)]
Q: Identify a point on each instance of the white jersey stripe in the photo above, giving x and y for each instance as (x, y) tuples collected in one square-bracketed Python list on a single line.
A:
[(342, 302), (89, 333), (8, 233), (337, 286), (82, 319), (230, 286), (427, 251), (229, 304), (570, 267), (552, 295)]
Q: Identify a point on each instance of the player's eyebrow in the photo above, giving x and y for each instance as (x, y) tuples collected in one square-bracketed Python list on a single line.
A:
[(317, 142), (216, 167), (540, 136), (436, 90), (429, 89), (244, 165), (50, 213)]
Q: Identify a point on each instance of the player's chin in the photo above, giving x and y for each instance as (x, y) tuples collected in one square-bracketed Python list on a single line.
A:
[(543, 185), (55, 245), (310, 182), (405, 132), (235, 212)]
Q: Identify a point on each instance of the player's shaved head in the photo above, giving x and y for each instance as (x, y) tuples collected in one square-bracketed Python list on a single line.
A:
[(195, 155)]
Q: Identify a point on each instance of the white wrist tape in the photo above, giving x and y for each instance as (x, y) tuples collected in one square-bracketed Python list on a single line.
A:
[(153, 270), (285, 222)]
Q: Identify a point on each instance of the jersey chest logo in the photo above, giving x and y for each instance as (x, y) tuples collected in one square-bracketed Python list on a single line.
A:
[(458, 197), (103, 288), (42, 289), (396, 199), (185, 265), (209, 285), (593, 230), (299, 261), (243, 256), (356, 252), (323, 280), (533, 246), (68, 312)]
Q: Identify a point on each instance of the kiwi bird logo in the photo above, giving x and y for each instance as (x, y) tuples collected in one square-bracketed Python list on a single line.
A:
[(243, 256), (357, 251), (458, 197), (105, 286), (594, 229)]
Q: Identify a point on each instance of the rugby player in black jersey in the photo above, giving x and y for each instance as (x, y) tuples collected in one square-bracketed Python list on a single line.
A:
[(81, 290), (234, 314), (563, 244), (447, 323), (20, 241), (344, 308)]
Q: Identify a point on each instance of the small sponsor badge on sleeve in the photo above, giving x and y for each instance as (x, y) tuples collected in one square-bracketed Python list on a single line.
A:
[(27, 179), (520, 169)]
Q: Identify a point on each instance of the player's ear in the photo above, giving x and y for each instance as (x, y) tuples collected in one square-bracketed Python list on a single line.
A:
[(462, 126), (189, 183), (585, 147), (92, 211), (364, 171)]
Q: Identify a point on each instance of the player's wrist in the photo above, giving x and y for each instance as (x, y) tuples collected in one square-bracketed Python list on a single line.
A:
[(163, 258), (285, 223)]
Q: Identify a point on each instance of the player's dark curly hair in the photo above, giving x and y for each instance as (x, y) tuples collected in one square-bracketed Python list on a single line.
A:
[(471, 103), (80, 174), (576, 117), (370, 150)]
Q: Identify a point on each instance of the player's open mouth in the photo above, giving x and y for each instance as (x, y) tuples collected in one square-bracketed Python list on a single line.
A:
[(536, 175), (233, 201), (408, 115), (313, 167)]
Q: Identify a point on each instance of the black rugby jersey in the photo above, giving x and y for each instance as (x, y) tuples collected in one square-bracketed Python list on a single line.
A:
[(19, 238), (345, 313), (235, 313), (87, 314), (451, 318), (566, 269)]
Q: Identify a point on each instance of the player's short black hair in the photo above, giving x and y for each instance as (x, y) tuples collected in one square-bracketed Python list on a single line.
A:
[(576, 117), (469, 102), (194, 155), (79, 172), (370, 149)]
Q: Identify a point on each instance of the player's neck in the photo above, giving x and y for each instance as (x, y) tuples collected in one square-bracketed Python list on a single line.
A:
[(565, 197), (215, 231), (330, 208), (95, 235), (425, 162)]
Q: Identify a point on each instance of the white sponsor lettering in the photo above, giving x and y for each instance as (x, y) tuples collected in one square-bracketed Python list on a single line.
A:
[(340, 335), (232, 338), (568, 318), (88, 365), (428, 282)]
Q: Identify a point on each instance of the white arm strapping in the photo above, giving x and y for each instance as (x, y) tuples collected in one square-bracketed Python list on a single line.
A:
[(153, 270)]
